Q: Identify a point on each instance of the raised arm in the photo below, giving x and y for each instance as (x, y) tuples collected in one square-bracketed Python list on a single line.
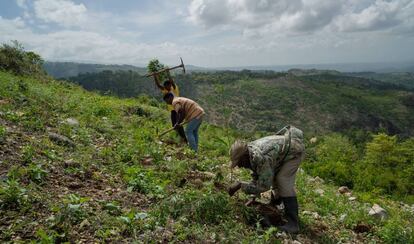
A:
[(171, 79), (157, 82)]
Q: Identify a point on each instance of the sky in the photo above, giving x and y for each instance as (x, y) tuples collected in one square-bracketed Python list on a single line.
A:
[(212, 33)]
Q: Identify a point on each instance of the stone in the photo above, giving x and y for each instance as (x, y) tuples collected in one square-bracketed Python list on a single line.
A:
[(313, 140), (320, 191), (342, 217), (343, 189), (61, 140), (72, 122), (378, 212), (352, 198)]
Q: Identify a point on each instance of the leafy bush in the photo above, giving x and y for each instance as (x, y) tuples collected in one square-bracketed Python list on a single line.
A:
[(335, 157), (12, 195), (143, 181), (387, 165), (15, 59)]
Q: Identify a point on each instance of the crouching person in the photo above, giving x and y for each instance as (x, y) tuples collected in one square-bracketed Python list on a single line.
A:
[(187, 111), (274, 161)]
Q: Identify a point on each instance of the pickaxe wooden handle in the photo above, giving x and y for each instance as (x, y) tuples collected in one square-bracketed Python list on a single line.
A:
[(168, 69), (171, 129)]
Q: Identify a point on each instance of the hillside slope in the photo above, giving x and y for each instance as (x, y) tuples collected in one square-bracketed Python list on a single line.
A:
[(76, 166), (317, 101)]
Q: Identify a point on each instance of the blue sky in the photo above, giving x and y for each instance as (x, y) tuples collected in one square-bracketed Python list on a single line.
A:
[(212, 33)]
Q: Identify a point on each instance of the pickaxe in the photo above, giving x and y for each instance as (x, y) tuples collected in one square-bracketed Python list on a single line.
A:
[(168, 69)]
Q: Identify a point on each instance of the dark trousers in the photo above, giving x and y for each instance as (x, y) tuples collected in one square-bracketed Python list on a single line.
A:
[(180, 129)]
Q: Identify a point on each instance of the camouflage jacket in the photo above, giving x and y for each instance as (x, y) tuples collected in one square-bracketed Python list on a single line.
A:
[(266, 155)]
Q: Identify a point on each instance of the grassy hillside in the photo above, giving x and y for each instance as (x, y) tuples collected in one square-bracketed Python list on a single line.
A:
[(111, 179), (317, 101)]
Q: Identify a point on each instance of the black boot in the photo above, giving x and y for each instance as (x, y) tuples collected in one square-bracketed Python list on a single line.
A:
[(292, 215), (275, 200)]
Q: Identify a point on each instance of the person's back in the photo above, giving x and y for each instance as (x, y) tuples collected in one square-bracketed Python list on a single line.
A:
[(190, 108)]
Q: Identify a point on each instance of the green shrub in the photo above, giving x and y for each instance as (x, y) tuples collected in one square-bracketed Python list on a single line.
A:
[(12, 195), (201, 207), (334, 159), (143, 181), (36, 173), (15, 59)]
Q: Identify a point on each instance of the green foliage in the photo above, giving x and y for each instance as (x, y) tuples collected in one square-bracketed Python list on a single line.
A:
[(15, 59), (71, 211), (201, 207), (154, 65), (12, 195), (387, 165), (3, 133), (37, 173), (143, 181), (335, 158)]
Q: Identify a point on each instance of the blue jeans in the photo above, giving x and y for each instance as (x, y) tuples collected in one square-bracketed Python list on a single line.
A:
[(191, 132)]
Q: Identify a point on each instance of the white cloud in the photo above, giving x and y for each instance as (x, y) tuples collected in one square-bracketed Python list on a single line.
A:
[(378, 16), (258, 17), (63, 12)]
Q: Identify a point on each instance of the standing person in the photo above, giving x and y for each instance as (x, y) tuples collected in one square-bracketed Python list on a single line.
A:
[(188, 111), (274, 161), (169, 86)]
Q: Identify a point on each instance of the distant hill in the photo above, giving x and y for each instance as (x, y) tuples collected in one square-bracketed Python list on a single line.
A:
[(68, 69), (318, 101)]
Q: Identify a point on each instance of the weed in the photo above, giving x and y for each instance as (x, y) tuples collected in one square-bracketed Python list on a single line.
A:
[(36, 173), (12, 195), (28, 152), (3, 133)]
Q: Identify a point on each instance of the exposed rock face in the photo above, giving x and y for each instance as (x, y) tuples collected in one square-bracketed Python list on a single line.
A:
[(378, 212)]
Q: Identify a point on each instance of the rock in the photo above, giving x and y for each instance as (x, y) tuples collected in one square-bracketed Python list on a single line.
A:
[(71, 122), (61, 140), (343, 189), (352, 198), (313, 140), (348, 194), (314, 215), (84, 223), (342, 217), (317, 179), (147, 161), (320, 191), (71, 164), (378, 212), (198, 183)]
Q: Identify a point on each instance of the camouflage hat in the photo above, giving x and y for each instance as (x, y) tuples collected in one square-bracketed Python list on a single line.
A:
[(237, 150)]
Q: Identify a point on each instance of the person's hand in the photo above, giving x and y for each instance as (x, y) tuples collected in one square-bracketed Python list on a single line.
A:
[(234, 188)]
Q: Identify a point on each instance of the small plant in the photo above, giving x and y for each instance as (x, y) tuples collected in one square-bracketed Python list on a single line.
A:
[(143, 181), (3, 133), (36, 173), (28, 153), (72, 211), (12, 195)]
